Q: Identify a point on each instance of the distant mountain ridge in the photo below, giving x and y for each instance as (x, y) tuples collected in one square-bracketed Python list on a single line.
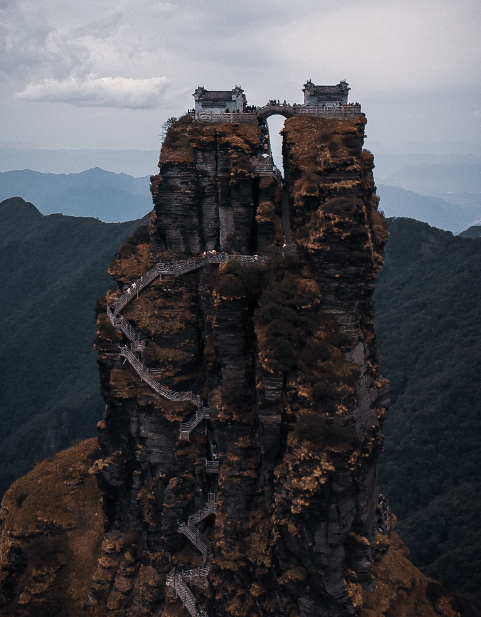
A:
[(437, 212), (446, 194), (115, 197), (96, 193), (134, 162), (389, 163)]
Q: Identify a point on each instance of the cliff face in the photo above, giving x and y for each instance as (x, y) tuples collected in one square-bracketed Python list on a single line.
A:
[(238, 475)]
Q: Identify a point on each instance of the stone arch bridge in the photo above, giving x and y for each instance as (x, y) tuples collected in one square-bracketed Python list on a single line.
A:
[(288, 111)]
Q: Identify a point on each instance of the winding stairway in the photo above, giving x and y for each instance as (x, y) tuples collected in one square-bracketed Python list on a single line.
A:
[(176, 581), (132, 353)]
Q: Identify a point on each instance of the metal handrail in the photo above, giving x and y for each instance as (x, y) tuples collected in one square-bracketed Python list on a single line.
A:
[(143, 372), (187, 427), (197, 538), (195, 573), (204, 512)]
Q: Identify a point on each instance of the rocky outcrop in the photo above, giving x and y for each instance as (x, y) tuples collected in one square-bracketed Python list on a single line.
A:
[(52, 530), (282, 353), (399, 589)]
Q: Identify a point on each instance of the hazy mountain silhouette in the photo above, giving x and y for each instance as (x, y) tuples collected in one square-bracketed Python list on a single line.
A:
[(440, 213), (434, 179), (103, 194), (132, 161)]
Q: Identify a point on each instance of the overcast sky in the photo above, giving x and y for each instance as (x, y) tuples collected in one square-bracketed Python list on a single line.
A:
[(107, 74)]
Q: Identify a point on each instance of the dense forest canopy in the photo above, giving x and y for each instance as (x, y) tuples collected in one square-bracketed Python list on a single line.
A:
[(428, 325), (55, 268)]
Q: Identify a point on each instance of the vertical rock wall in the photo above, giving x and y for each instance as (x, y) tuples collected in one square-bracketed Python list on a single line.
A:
[(284, 355), (326, 494)]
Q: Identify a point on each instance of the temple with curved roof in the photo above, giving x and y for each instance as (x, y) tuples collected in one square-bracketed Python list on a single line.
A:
[(219, 100), (326, 95)]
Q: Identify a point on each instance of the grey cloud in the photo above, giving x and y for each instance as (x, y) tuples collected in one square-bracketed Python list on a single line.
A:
[(165, 8), (269, 47), (100, 27), (118, 92), (29, 44)]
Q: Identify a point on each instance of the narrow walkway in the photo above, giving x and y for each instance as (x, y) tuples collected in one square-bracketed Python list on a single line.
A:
[(175, 268)]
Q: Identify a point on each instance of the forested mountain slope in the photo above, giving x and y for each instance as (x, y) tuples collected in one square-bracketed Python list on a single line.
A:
[(54, 268), (428, 325)]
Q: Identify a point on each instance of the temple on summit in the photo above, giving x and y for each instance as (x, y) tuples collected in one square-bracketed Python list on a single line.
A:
[(219, 100), (326, 95)]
